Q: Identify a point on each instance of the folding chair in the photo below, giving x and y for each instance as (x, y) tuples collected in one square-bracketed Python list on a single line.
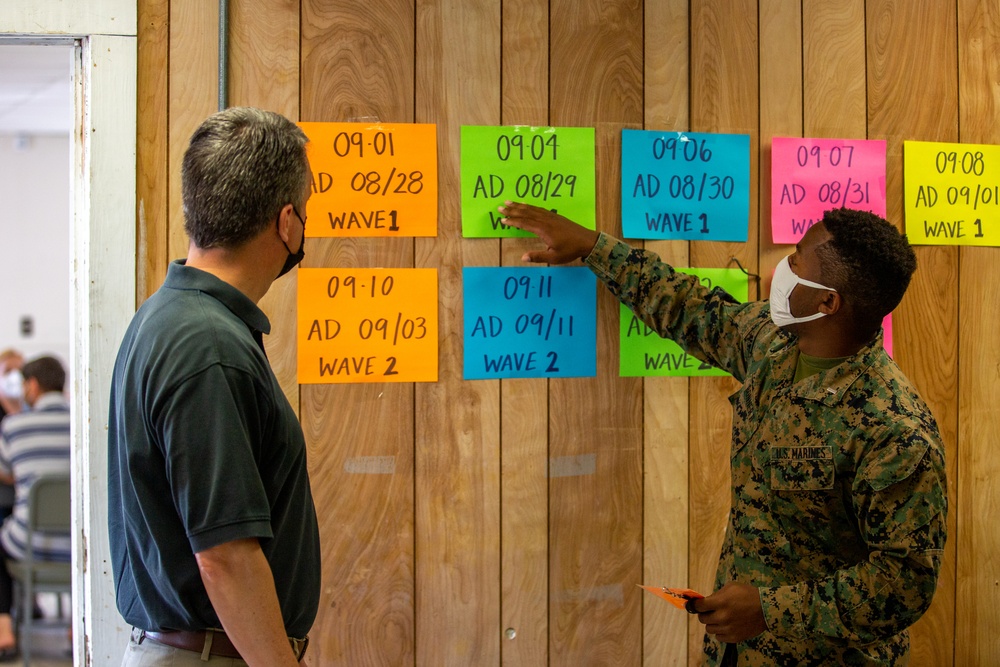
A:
[(49, 512)]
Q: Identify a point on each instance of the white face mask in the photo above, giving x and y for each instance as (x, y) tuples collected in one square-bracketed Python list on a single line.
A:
[(782, 284), (12, 385)]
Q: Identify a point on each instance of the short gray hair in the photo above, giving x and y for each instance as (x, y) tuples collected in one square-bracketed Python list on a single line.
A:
[(241, 167)]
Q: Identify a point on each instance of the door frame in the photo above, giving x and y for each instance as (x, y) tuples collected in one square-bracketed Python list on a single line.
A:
[(102, 274)]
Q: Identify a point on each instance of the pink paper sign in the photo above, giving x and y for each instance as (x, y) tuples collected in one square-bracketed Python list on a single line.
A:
[(811, 176), (887, 334)]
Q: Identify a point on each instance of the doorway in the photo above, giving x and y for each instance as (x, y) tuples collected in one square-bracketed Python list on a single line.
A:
[(36, 121)]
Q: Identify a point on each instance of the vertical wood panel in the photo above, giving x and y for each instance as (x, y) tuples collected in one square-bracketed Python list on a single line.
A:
[(151, 145), (977, 614), (665, 400), (264, 73), (357, 61), (193, 96), (724, 98), (912, 56), (596, 520), (781, 101), (834, 64), (457, 423), (524, 566)]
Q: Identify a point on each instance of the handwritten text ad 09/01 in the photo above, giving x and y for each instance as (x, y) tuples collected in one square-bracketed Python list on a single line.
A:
[(952, 194)]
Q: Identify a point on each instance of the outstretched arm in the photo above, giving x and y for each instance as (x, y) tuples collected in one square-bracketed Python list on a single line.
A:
[(565, 240)]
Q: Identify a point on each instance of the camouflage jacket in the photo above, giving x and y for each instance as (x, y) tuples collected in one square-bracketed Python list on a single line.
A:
[(838, 496)]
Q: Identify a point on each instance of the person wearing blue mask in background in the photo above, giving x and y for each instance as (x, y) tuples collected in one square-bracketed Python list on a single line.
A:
[(838, 519)]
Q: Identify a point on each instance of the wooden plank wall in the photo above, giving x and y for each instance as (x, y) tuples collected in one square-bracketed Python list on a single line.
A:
[(469, 553), (976, 546)]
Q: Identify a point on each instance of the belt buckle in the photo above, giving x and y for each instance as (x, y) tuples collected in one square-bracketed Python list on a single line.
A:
[(299, 646)]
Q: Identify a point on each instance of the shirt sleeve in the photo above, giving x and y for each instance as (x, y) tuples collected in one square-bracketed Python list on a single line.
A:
[(208, 426), (706, 323), (901, 507)]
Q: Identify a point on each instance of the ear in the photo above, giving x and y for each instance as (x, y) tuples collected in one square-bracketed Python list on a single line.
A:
[(285, 219), (31, 390), (831, 303)]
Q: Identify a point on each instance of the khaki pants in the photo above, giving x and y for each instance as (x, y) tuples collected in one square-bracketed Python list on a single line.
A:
[(148, 653)]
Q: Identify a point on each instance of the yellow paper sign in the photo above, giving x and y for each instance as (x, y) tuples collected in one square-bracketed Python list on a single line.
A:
[(952, 193), (372, 179), (367, 325)]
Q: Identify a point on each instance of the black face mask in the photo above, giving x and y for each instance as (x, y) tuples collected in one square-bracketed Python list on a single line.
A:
[(294, 258)]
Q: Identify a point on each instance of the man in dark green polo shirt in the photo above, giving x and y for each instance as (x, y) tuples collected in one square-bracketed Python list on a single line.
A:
[(214, 539)]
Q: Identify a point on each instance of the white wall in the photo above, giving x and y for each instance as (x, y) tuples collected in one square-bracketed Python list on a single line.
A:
[(34, 251)]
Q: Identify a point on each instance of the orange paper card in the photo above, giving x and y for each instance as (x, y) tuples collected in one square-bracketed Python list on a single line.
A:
[(675, 596), (372, 179), (367, 325)]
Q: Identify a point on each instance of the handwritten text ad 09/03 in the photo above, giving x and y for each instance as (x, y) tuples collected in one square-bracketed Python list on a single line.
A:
[(367, 325)]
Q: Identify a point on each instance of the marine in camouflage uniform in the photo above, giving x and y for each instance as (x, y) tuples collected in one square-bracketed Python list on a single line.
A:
[(838, 494)]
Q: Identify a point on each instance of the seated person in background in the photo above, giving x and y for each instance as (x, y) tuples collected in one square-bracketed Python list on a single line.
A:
[(11, 400), (32, 443)]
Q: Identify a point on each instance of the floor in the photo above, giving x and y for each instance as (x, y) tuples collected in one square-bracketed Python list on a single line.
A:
[(50, 648), (50, 645)]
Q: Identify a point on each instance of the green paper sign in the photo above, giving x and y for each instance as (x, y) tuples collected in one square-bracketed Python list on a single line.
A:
[(552, 167), (644, 354)]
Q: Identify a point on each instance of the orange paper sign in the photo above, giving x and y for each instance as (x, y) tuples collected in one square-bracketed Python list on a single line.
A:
[(372, 179), (675, 596), (367, 325)]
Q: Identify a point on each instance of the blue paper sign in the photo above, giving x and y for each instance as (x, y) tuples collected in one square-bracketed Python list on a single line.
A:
[(530, 322), (688, 186)]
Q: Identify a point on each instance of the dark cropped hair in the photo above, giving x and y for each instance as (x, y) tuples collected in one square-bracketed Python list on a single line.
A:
[(48, 371), (240, 168), (868, 261)]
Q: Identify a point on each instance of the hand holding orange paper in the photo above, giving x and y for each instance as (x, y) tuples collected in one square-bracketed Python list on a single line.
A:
[(678, 597)]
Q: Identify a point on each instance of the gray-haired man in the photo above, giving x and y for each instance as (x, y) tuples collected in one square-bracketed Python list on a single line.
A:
[(214, 539)]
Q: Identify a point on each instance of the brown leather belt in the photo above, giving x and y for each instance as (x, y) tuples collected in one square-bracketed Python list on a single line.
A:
[(221, 644)]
